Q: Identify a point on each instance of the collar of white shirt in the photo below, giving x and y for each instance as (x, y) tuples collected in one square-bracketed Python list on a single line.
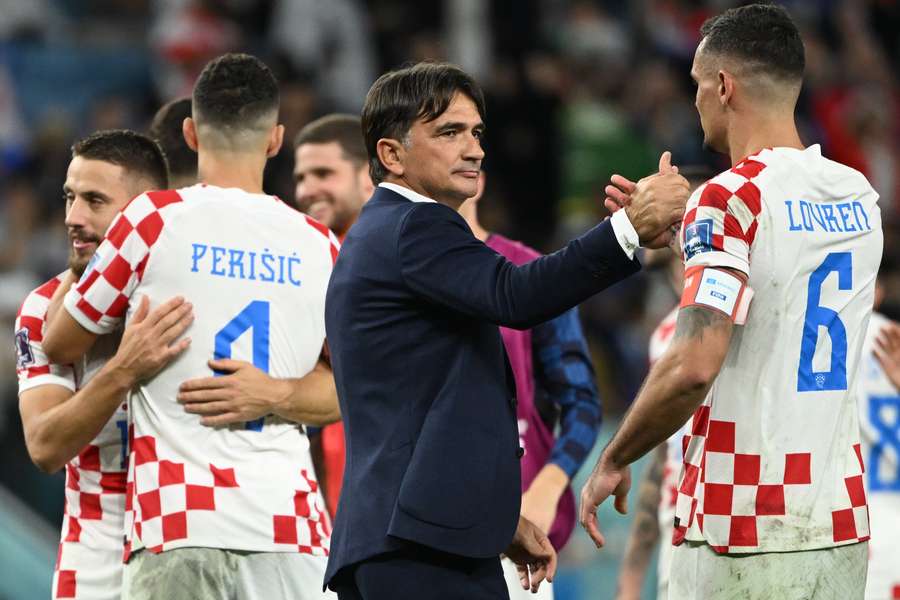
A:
[(405, 192)]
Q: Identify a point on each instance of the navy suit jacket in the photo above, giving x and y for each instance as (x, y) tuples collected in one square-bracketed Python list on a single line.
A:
[(426, 393)]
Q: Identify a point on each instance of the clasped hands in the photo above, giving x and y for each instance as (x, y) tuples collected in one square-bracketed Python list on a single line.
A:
[(654, 205)]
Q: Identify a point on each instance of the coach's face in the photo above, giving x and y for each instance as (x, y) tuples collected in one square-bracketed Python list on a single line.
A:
[(95, 191), (442, 158), (708, 99)]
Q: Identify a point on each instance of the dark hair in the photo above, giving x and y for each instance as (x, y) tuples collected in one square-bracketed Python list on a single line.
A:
[(762, 36), (166, 130), (134, 152), (421, 91), (234, 91), (346, 130)]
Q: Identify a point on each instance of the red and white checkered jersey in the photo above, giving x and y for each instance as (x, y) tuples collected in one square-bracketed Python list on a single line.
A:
[(659, 343), (879, 417), (256, 272), (89, 559), (773, 460)]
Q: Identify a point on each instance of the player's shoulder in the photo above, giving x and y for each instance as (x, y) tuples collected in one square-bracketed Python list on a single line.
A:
[(37, 301)]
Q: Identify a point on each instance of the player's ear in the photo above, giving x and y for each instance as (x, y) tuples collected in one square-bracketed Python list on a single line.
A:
[(392, 155), (276, 138), (726, 87), (189, 131)]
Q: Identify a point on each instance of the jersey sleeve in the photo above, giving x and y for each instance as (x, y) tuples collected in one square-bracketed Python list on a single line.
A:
[(33, 369), (334, 245), (100, 298), (720, 223)]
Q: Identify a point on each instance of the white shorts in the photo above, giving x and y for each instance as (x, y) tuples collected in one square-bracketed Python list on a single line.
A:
[(699, 573), (511, 575), (213, 573)]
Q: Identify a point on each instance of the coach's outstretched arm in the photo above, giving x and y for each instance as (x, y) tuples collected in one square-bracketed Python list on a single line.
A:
[(675, 387), (441, 260), (59, 423), (247, 393)]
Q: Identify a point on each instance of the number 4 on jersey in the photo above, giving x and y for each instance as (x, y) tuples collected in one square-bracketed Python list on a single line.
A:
[(819, 316), (254, 316)]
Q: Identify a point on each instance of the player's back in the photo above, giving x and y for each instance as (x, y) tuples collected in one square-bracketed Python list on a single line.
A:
[(776, 443), (256, 272)]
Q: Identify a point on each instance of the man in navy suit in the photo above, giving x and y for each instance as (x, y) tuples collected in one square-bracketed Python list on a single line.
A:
[(431, 488)]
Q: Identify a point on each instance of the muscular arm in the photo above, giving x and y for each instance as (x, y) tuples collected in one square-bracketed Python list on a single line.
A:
[(65, 340), (676, 386), (59, 424), (245, 393), (645, 529)]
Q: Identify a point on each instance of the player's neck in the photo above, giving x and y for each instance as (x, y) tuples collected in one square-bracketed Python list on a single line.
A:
[(242, 171), (750, 136)]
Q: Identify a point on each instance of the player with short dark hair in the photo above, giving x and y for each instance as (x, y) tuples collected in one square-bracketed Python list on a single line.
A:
[(74, 415), (331, 171), (771, 501), (223, 497), (166, 129)]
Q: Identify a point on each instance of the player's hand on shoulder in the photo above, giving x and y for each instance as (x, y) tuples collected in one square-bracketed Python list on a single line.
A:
[(239, 394), (533, 555), (887, 351), (153, 339), (605, 481)]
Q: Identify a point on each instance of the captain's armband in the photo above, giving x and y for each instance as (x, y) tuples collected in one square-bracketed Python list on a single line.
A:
[(717, 289)]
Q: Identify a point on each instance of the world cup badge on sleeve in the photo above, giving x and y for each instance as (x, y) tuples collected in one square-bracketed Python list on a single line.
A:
[(24, 355)]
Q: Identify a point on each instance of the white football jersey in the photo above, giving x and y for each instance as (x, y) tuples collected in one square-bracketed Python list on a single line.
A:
[(256, 272), (879, 417), (773, 460), (89, 561)]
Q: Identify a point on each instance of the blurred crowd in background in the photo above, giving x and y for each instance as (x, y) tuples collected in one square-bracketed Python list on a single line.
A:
[(576, 90)]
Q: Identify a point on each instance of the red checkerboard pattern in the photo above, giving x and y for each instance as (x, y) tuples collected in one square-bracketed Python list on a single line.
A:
[(732, 497), (32, 367), (852, 523), (160, 509), (732, 202), (308, 535), (101, 296), (722, 489)]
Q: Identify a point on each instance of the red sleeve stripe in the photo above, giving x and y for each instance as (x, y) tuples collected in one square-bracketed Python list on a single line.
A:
[(87, 282), (35, 371), (733, 228), (751, 232), (89, 311)]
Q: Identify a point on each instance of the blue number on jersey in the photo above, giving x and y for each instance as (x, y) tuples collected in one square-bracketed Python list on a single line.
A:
[(888, 436), (820, 316), (122, 424), (256, 316)]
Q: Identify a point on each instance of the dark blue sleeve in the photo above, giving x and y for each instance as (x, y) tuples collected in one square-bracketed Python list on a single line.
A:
[(564, 375), (440, 259)]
